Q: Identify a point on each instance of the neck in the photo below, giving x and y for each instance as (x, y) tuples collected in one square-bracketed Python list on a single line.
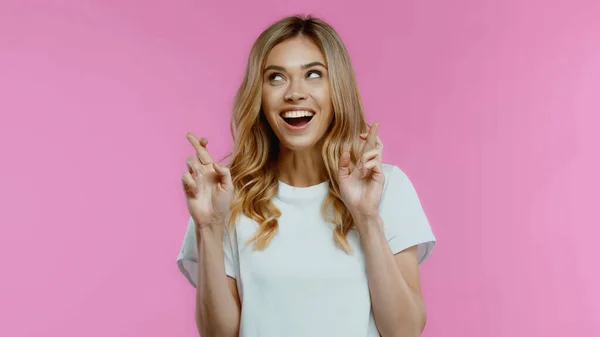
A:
[(300, 168)]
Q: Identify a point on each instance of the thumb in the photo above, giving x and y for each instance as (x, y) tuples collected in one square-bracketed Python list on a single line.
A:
[(224, 176), (344, 166)]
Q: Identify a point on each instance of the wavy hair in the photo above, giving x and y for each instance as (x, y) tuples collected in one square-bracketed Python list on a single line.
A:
[(255, 151)]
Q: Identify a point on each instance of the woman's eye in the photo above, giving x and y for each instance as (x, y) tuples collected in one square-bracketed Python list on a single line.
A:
[(275, 77), (314, 74)]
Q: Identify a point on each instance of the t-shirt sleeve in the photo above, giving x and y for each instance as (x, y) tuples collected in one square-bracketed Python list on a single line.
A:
[(187, 261), (404, 219)]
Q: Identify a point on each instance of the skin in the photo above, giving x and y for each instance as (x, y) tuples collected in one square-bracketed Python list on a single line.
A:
[(296, 76), (394, 281)]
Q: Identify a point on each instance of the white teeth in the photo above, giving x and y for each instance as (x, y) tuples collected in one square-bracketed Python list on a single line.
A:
[(297, 114)]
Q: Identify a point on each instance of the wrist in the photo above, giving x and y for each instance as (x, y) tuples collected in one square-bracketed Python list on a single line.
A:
[(368, 217), (368, 223), (210, 232), (211, 221)]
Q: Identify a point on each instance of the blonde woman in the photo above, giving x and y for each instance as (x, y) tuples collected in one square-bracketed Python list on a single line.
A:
[(306, 232)]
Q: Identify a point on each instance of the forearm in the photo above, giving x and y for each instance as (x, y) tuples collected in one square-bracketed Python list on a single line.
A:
[(397, 310), (217, 312)]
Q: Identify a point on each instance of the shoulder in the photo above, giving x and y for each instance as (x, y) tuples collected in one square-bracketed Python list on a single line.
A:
[(394, 177), (398, 188), (404, 218), (391, 169)]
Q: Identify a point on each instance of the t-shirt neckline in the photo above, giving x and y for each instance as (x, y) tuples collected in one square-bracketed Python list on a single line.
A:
[(289, 191)]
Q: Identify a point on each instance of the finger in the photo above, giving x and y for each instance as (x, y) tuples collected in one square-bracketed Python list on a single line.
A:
[(372, 166), (193, 165), (370, 141), (363, 136), (224, 176), (369, 158), (369, 155), (201, 151), (189, 185), (344, 165), (372, 135)]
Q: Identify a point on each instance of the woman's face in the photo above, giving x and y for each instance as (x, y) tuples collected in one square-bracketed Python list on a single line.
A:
[(296, 95)]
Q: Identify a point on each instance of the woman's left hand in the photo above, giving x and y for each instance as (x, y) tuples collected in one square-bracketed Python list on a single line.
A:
[(361, 188)]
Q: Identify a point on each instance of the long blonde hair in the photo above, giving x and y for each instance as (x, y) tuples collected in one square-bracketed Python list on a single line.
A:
[(254, 157)]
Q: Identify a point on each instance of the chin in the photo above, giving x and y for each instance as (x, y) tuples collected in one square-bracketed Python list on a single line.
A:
[(300, 143)]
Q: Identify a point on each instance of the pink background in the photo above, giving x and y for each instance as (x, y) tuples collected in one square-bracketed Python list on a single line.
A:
[(490, 107)]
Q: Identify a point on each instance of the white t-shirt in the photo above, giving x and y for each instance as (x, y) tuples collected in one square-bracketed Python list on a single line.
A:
[(302, 284)]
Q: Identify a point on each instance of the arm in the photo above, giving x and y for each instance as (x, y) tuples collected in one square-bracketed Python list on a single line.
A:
[(217, 300), (394, 283)]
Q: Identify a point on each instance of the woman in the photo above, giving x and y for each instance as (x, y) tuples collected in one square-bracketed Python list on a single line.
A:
[(306, 233)]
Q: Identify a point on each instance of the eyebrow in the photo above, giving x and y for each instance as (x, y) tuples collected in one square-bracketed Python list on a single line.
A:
[(305, 66)]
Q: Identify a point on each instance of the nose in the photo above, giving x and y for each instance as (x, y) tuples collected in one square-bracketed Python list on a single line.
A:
[(295, 93)]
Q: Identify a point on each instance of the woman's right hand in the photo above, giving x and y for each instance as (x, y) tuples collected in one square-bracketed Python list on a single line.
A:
[(207, 185)]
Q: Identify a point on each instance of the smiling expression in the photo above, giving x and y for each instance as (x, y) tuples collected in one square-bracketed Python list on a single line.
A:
[(296, 93)]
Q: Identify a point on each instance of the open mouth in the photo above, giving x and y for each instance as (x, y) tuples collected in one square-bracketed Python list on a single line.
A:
[(297, 118)]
